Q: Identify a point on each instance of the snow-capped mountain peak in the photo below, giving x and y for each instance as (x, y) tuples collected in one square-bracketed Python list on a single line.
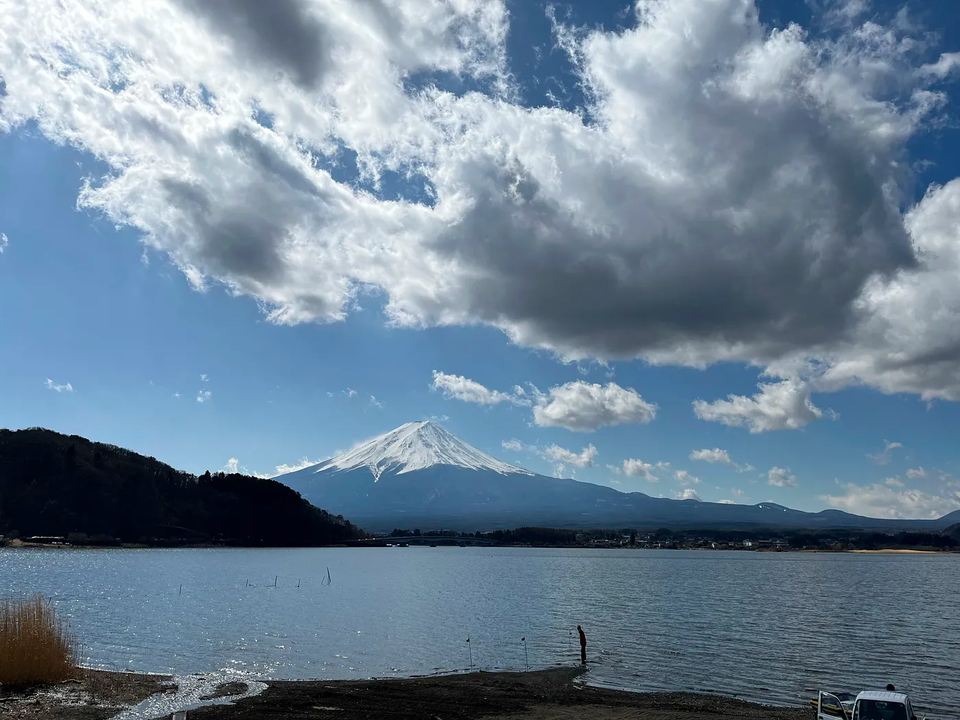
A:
[(415, 446)]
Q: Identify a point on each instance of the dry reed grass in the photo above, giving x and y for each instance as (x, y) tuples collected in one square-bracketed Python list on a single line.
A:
[(35, 648)]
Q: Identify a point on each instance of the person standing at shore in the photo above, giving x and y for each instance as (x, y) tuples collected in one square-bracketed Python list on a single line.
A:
[(583, 645)]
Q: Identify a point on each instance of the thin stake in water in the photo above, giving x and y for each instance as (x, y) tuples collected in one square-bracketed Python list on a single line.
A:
[(471, 653), (526, 658)]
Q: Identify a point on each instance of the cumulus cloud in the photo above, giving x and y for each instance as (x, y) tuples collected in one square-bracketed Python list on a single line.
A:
[(457, 387), (736, 194), (717, 456), (204, 377), (634, 467), (893, 482), (884, 457), (882, 501), (577, 406), (685, 478), (781, 477), (687, 494), (51, 385), (513, 445), (916, 473), (584, 407), (204, 395), (712, 456), (784, 405), (562, 456)]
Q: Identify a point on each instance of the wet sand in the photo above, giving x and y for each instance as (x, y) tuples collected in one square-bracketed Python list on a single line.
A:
[(540, 695), (92, 695)]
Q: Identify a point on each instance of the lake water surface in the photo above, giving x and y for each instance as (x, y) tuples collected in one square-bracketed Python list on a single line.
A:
[(770, 627)]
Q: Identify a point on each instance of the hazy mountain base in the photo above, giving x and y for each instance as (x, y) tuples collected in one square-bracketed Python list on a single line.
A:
[(53, 484)]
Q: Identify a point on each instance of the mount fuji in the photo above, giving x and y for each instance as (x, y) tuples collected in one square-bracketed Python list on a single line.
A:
[(422, 476)]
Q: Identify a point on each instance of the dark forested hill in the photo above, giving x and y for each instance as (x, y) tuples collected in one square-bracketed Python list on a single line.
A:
[(53, 484)]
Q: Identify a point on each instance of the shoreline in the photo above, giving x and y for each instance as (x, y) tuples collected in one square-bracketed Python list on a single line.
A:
[(20, 544), (532, 695)]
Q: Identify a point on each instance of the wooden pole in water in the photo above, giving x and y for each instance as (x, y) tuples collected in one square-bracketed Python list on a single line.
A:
[(526, 658), (471, 653), (298, 582), (181, 590), (277, 577)]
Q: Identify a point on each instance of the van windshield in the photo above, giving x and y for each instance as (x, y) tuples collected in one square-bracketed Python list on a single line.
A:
[(880, 710)]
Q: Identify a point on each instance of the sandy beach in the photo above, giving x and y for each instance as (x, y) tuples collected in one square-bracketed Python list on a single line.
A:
[(539, 695)]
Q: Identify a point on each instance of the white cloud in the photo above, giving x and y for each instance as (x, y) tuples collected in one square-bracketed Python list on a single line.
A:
[(560, 455), (576, 406), (888, 502), (893, 482), (233, 466), (513, 445), (715, 456), (633, 467), (640, 234), (781, 477), (457, 387), (176, 395), (687, 494), (784, 405), (302, 464), (884, 458), (726, 502), (737, 492), (947, 64), (349, 392), (51, 385), (204, 378), (614, 469), (4, 242), (584, 407), (203, 396), (376, 403), (916, 473), (685, 478)]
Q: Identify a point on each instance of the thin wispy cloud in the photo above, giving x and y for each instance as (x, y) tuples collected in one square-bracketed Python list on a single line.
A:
[(886, 455), (204, 396), (55, 387)]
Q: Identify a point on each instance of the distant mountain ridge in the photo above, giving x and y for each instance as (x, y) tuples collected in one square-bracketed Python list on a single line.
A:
[(53, 484), (421, 475)]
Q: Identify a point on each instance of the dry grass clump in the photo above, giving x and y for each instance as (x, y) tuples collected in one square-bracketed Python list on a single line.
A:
[(35, 649)]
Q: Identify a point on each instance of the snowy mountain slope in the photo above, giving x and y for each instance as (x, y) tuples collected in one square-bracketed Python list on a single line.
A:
[(421, 475), (416, 446)]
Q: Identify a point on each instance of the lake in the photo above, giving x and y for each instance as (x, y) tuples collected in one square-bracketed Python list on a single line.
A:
[(771, 627)]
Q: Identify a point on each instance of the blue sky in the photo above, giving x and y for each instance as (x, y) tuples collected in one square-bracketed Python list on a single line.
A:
[(202, 262)]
